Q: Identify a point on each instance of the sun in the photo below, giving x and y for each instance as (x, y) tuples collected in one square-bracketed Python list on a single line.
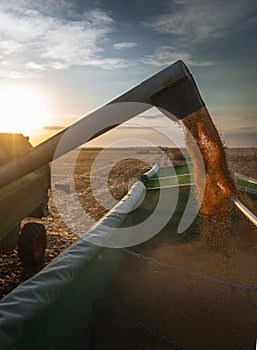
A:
[(22, 109)]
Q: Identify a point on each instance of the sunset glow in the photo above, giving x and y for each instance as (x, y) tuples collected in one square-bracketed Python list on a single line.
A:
[(71, 57), (23, 110)]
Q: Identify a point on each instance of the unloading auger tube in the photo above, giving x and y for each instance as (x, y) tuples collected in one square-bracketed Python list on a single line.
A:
[(172, 89)]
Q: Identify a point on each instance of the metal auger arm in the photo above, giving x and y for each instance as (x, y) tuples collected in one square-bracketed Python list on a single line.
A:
[(173, 89)]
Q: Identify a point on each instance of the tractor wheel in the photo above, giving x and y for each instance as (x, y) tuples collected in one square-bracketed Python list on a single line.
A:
[(32, 244)]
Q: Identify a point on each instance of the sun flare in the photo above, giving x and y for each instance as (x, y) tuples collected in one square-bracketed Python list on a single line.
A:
[(22, 109)]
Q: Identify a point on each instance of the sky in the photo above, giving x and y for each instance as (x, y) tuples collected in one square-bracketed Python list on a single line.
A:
[(60, 60)]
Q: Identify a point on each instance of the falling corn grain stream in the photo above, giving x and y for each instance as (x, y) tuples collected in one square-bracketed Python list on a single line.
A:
[(216, 206)]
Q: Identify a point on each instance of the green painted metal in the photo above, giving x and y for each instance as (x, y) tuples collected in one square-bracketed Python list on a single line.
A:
[(183, 175), (246, 183), (21, 197), (65, 323), (169, 181)]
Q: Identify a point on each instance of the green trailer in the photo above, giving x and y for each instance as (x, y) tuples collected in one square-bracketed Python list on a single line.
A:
[(25, 197)]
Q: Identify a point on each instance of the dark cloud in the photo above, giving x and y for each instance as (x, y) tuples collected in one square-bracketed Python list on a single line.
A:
[(241, 140), (53, 127)]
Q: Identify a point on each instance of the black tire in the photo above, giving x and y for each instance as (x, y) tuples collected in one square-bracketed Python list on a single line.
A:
[(32, 244)]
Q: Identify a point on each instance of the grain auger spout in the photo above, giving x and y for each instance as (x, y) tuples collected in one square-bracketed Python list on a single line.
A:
[(172, 89)]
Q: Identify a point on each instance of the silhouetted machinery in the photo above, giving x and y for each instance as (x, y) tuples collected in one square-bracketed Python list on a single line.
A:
[(25, 197), (24, 171)]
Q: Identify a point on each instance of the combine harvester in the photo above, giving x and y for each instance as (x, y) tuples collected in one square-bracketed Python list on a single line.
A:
[(54, 307)]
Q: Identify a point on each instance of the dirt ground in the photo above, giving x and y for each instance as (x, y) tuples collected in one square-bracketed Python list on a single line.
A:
[(196, 313)]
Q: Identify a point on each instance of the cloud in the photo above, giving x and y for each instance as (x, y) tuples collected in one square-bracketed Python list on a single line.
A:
[(109, 63), (240, 131), (53, 127), (150, 116), (166, 55), (237, 124), (36, 36), (196, 20), (237, 130), (191, 24), (124, 45), (240, 139)]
